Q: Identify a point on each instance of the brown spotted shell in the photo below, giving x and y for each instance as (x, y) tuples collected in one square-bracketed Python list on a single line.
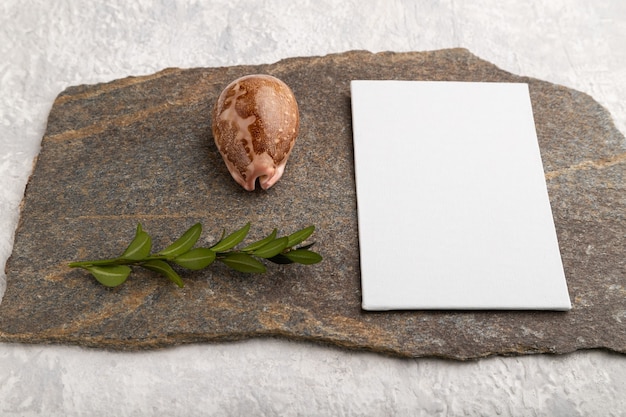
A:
[(255, 125)]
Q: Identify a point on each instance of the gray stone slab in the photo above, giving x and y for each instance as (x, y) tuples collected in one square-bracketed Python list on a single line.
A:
[(140, 150)]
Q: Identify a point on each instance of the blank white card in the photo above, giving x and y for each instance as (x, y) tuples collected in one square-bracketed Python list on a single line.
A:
[(453, 209)]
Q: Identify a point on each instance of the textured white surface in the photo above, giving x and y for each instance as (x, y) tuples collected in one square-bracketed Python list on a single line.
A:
[(46, 46)]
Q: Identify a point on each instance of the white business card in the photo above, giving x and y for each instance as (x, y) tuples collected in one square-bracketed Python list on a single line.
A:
[(453, 208)]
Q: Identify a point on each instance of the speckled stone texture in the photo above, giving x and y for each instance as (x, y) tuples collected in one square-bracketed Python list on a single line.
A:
[(140, 150)]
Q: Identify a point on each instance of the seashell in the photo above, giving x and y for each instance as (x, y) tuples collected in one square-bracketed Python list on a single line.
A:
[(255, 125)]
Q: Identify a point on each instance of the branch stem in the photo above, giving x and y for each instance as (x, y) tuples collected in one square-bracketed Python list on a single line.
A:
[(116, 261)]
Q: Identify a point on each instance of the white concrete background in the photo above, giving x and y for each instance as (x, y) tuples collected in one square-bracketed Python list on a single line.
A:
[(46, 46)]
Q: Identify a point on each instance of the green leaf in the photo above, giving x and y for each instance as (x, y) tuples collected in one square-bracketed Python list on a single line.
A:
[(164, 269), (231, 240), (183, 243), (304, 256), (140, 246), (195, 259), (260, 243), (243, 263), (272, 248), (300, 235), (110, 276)]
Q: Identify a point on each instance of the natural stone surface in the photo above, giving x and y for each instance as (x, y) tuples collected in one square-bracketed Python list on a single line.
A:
[(140, 150)]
